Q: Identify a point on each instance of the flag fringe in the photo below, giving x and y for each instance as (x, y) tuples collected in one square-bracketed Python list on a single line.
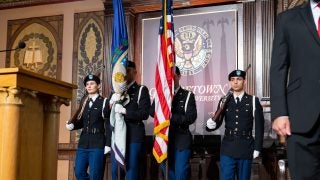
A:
[(165, 124), (157, 157)]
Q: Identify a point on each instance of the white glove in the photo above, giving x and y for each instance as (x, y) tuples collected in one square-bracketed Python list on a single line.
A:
[(255, 154), (114, 98), (69, 126), (107, 149), (118, 108), (211, 124)]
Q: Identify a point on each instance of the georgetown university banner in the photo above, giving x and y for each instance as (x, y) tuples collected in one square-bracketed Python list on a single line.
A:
[(206, 51)]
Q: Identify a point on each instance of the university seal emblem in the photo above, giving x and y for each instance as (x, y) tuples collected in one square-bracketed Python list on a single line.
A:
[(193, 47)]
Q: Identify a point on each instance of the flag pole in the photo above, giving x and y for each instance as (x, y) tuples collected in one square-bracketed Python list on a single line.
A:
[(167, 169), (166, 43), (118, 172)]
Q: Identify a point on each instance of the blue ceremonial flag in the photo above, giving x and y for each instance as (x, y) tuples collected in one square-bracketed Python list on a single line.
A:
[(119, 59), (119, 48)]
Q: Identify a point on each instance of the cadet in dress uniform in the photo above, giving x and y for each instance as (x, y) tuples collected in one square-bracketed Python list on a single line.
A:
[(238, 146), (134, 113), (183, 114), (95, 138)]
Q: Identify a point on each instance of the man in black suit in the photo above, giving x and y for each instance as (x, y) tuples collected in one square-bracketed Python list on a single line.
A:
[(242, 114), (295, 87), (183, 114)]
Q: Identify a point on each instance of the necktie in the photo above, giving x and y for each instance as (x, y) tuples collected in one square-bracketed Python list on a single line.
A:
[(237, 100), (90, 102)]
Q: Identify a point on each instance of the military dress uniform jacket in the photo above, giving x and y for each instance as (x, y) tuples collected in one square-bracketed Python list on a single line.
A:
[(181, 117), (238, 141), (96, 132), (179, 133), (136, 112)]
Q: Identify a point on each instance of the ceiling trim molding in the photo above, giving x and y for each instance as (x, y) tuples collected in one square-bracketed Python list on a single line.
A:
[(28, 3)]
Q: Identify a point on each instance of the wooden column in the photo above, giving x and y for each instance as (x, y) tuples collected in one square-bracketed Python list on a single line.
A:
[(50, 138), (10, 104)]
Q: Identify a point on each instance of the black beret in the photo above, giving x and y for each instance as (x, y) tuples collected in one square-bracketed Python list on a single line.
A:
[(91, 77), (237, 73), (131, 64), (177, 71)]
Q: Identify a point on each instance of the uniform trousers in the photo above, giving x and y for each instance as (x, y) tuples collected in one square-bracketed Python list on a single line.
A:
[(92, 158), (180, 168), (231, 167), (303, 152), (133, 154)]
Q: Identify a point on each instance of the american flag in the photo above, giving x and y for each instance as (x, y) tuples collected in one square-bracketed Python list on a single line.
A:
[(164, 82)]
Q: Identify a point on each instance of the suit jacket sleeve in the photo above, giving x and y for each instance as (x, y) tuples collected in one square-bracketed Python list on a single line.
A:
[(189, 116), (279, 71), (142, 113), (259, 126)]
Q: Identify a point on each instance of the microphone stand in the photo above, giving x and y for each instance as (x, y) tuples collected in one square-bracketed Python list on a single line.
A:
[(7, 50), (21, 45)]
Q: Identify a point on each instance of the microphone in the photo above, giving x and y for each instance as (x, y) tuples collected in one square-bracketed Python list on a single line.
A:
[(21, 45)]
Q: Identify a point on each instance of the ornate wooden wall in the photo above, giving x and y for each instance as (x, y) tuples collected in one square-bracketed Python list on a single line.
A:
[(43, 39)]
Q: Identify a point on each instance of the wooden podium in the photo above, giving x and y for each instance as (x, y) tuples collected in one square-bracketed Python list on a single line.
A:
[(29, 124)]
